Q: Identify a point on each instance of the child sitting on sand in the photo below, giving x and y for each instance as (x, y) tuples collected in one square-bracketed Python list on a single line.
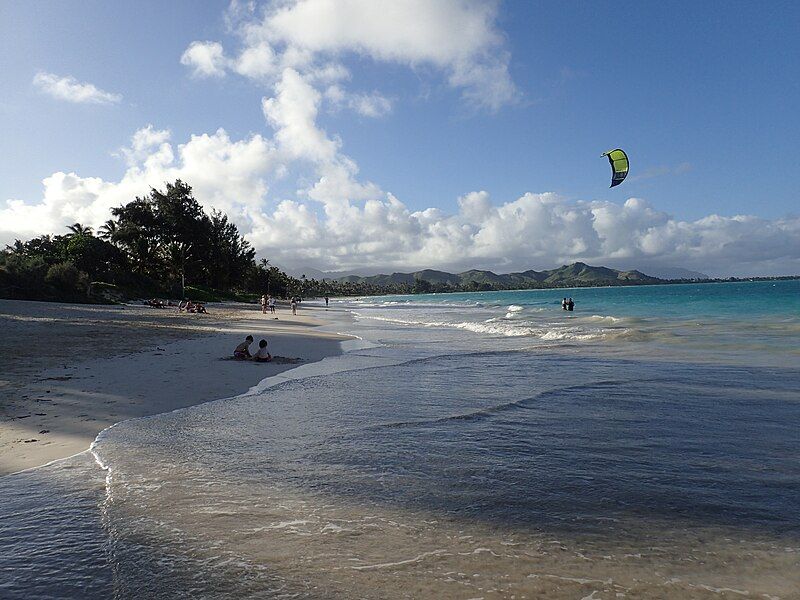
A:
[(242, 351), (262, 355)]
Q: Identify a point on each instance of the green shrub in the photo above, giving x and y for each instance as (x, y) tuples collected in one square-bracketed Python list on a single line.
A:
[(22, 276), (66, 277), (103, 292)]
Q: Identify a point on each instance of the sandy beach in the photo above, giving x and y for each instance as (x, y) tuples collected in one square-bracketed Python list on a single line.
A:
[(69, 371)]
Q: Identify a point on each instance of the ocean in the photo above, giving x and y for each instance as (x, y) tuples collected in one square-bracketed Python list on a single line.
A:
[(483, 445)]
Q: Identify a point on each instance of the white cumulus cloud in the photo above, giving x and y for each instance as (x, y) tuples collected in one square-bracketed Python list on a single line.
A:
[(372, 105), (70, 89), (457, 38), (207, 59), (339, 222), (226, 174), (335, 220)]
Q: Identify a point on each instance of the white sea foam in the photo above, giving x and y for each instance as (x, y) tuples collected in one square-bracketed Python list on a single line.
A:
[(507, 329), (605, 318), (398, 563)]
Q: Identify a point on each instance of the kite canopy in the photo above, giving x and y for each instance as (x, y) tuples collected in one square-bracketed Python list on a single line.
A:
[(619, 165)]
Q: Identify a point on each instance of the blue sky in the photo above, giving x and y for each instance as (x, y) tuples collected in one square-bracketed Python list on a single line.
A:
[(703, 96)]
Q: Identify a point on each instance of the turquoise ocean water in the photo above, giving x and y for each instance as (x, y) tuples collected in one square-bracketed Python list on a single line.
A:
[(734, 300), (741, 321), (489, 445)]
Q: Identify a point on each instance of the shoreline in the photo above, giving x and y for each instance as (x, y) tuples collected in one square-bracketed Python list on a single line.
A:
[(578, 287), (71, 371), (264, 479)]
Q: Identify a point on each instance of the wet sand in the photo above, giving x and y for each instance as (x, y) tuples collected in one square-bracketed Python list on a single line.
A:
[(69, 371)]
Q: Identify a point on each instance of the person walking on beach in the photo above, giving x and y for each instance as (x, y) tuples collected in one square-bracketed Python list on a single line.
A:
[(326, 302), (263, 304), (271, 303), (294, 305)]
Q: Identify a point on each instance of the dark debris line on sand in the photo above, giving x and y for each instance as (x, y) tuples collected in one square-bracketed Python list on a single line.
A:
[(280, 360)]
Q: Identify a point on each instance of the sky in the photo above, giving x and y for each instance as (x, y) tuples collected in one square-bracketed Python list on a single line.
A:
[(376, 135)]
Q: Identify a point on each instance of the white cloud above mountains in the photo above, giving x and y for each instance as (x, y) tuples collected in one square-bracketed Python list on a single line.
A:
[(335, 220), (70, 89), (374, 229)]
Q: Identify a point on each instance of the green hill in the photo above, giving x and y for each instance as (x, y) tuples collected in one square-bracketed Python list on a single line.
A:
[(574, 275)]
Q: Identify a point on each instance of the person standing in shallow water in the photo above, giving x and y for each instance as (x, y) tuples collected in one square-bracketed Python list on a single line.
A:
[(570, 305), (564, 304)]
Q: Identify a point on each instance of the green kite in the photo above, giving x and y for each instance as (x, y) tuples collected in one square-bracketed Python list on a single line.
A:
[(619, 165)]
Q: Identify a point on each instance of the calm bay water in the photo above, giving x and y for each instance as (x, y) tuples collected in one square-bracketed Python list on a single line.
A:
[(483, 446)]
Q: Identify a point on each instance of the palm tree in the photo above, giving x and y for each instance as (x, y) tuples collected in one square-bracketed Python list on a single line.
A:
[(108, 229), (78, 229), (176, 255), (265, 268)]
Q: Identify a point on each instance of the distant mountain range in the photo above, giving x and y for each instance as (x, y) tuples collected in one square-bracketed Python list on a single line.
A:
[(576, 274), (677, 273)]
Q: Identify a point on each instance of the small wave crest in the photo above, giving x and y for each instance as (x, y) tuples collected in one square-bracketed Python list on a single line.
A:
[(605, 318), (501, 327)]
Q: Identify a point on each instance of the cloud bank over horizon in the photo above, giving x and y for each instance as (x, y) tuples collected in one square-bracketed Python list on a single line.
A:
[(374, 230), (294, 54)]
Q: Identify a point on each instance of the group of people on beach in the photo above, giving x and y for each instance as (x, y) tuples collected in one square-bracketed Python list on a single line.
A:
[(156, 303), (267, 304), (184, 305), (567, 304), (191, 307), (242, 351)]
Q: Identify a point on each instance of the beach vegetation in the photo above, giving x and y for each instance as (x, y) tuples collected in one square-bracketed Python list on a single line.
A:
[(66, 277), (160, 244), (164, 244)]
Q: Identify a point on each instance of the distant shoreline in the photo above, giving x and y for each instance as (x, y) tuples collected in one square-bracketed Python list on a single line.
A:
[(585, 285)]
